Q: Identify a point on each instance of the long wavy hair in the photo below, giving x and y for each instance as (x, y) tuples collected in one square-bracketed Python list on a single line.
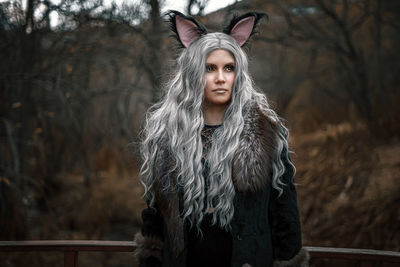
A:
[(172, 135)]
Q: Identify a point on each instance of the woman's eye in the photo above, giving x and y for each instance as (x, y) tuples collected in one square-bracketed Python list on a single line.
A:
[(209, 68), (230, 68)]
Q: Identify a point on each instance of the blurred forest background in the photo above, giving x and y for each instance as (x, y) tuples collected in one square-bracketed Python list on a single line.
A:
[(73, 96)]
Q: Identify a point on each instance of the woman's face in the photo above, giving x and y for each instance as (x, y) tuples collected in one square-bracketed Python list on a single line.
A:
[(220, 76)]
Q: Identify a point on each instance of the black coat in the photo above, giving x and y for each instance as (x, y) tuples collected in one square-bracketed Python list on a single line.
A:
[(265, 229)]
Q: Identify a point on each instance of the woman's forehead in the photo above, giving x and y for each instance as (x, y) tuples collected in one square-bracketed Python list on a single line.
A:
[(220, 55)]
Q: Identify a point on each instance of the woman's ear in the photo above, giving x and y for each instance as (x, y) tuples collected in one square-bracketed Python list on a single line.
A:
[(186, 28), (241, 28)]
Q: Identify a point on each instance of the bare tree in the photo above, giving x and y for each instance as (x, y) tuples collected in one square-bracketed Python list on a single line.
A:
[(196, 7), (341, 32), (154, 37), (52, 80)]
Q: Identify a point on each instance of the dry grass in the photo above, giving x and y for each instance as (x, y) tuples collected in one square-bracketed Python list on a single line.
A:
[(349, 188)]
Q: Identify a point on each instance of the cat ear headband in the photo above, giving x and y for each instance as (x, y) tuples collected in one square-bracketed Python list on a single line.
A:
[(188, 30)]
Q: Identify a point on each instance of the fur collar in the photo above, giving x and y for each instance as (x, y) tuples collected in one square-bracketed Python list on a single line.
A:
[(252, 162)]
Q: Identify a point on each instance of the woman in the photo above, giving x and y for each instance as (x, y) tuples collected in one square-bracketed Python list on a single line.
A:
[(217, 174)]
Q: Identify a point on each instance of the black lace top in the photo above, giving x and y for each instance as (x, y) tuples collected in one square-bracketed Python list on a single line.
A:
[(214, 247)]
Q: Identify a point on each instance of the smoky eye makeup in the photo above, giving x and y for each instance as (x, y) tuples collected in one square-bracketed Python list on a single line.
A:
[(227, 67), (230, 67), (210, 67)]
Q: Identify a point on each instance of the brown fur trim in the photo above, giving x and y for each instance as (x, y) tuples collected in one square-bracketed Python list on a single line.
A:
[(300, 260), (148, 246), (168, 203), (252, 163)]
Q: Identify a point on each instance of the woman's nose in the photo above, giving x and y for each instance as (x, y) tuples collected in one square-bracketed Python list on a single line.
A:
[(220, 77)]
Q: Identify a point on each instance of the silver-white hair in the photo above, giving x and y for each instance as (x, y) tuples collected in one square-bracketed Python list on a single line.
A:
[(173, 127)]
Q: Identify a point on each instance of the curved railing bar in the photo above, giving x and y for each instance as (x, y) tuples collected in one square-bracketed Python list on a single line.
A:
[(71, 249)]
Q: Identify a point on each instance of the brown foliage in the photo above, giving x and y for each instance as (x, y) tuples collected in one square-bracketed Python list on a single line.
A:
[(347, 188)]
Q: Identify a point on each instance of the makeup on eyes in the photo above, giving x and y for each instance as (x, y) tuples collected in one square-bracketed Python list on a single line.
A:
[(227, 67)]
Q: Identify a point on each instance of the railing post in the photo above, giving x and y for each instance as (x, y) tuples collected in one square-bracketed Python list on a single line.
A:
[(70, 258)]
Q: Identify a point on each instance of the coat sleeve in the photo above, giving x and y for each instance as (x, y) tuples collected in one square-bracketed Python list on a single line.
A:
[(285, 222), (149, 241)]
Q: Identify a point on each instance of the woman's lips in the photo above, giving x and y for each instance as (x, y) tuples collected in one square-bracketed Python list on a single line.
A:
[(220, 91)]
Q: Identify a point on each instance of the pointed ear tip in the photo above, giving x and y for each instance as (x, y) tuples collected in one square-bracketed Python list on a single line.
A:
[(257, 16), (173, 13), (261, 15)]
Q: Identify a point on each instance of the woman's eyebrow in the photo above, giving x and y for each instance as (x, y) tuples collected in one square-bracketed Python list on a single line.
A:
[(212, 64)]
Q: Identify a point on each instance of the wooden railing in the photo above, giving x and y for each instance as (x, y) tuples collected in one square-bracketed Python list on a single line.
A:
[(71, 249), (365, 257)]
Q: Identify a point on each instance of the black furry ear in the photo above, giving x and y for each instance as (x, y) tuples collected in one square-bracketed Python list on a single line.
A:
[(242, 27), (186, 28)]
